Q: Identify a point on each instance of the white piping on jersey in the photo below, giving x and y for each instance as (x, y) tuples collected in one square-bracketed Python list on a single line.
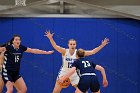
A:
[(4, 62), (6, 78), (88, 74), (3, 66), (5, 74), (4, 70)]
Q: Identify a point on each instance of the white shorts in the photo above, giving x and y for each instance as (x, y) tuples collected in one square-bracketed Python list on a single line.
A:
[(74, 78)]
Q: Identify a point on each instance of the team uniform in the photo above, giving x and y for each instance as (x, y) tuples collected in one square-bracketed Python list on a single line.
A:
[(11, 65), (88, 78), (68, 60)]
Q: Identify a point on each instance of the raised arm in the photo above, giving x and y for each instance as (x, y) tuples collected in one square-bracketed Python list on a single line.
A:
[(37, 51), (55, 46), (95, 50), (100, 68)]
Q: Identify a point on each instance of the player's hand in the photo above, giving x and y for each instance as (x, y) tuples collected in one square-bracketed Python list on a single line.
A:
[(50, 52), (61, 79), (48, 34), (105, 83), (63, 82), (105, 41)]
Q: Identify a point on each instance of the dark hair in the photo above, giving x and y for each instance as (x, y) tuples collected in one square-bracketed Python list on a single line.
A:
[(80, 52), (11, 41), (71, 40)]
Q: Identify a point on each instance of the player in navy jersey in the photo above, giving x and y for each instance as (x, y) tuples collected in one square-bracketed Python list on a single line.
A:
[(1, 63), (68, 57), (11, 66), (88, 78)]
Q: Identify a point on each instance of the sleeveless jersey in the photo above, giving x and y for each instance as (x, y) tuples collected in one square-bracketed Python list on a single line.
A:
[(68, 59)]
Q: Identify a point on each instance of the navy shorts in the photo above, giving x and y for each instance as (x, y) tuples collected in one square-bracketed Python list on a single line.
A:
[(10, 76), (87, 82)]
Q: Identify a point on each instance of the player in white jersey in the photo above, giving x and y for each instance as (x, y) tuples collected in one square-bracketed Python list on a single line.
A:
[(68, 59), (69, 55)]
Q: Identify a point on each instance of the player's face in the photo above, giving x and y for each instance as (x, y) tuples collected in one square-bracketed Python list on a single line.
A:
[(72, 45), (16, 41)]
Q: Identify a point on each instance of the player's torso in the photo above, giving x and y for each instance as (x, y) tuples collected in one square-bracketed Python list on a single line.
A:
[(12, 58), (85, 66), (68, 59)]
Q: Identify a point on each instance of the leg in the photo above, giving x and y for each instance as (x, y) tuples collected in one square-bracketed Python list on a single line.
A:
[(9, 86), (20, 85), (78, 91), (1, 84), (57, 88)]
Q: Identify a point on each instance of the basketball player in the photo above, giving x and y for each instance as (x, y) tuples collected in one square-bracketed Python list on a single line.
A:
[(68, 57), (1, 81), (1, 63), (88, 78), (11, 66)]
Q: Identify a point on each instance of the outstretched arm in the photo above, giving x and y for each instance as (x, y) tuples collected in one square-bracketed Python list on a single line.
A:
[(55, 46), (100, 68), (95, 50), (72, 70), (37, 51)]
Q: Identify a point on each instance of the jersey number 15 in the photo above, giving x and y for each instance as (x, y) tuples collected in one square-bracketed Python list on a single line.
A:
[(16, 59)]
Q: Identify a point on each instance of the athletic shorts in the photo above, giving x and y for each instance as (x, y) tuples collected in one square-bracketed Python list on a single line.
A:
[(74, 78), (10, 76), (87, 82)]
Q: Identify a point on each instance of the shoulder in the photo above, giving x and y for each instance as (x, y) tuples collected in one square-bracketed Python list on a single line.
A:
[(22, 47), (9, 46)]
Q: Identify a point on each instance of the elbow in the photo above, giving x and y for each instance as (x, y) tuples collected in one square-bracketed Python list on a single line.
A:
[(102, 69)]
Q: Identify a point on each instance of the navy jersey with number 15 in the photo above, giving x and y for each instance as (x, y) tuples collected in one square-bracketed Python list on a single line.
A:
[(13, 57)]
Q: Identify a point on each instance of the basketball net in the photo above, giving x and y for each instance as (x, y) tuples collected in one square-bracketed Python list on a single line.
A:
[(20, 2)]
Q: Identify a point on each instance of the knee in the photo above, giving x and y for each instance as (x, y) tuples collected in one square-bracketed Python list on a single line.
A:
[(22, 90)]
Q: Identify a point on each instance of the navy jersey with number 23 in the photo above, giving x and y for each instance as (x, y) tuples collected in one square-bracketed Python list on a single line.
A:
[(84, 65)]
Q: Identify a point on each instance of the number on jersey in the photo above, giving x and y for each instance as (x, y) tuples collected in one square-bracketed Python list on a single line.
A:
[(69, 65), (16, 59), (86, 64)]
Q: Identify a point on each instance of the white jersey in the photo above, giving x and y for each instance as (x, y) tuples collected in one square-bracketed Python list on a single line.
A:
[(68, 59), (66, 66)]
